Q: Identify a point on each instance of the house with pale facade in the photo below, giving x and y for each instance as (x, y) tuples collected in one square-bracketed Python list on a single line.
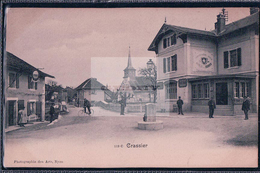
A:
[(21, 90), (198, 64), (92, 90)]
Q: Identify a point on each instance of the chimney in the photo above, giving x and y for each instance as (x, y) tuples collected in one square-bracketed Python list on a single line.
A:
[(221, 21), (253, 10)]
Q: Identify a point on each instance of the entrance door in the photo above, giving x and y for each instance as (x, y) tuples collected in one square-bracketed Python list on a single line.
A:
[(221, 93), (11, 113)]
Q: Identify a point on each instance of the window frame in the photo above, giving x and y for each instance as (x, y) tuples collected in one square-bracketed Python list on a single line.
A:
[(169, 41), (171, 90), (32, 85), (13, 86), (204, 90), (242, 88), (232, 58)]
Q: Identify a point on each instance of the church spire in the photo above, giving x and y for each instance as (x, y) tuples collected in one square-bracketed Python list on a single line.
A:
[(129, 64), (129, 70)]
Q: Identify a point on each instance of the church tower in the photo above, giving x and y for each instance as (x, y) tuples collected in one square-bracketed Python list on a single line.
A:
[(129, 71)]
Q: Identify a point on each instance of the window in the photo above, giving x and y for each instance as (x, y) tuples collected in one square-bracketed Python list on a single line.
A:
[(232, 58), (173, 39), (164, 65), (31, 83), (174, 63), (194, 91), (237, 89), (30, 108), (164, 43), (171, 90), (170, 64), (169, 41), (13, 80), (242, 89), (206, 90), (248, 89), (200, 95), (200, 90)]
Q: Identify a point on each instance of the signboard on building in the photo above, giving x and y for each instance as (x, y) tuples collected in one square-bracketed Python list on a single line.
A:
[(182, 83), (160, 85), (203, 61)]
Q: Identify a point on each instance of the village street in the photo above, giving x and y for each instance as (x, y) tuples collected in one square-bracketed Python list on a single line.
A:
[(105, 139)]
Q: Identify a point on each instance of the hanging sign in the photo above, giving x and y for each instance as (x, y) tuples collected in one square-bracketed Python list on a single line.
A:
[(35, 76), (182, 83)]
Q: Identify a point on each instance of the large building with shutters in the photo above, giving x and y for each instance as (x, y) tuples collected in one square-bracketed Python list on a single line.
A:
[(22, 91), (197, 65)]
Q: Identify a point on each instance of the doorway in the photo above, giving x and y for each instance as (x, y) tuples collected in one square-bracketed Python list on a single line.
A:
[(11, 112), (221, 93)]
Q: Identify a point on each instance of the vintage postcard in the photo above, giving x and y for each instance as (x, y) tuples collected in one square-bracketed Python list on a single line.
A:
[(131, 87)]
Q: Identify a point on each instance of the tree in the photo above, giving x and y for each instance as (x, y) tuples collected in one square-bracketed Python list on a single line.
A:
[(151, 75)]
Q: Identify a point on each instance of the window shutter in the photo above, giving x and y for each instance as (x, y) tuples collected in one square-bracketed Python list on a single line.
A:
[(175, 62), (164, 43), (29, 82), (226, 59), (173, 39), (17, 80), (239, 57), (164, 65)]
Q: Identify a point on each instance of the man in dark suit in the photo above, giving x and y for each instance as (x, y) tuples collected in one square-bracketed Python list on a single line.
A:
[(212, 106), (179, 104), (52, 111), (123, 105), (246, 107)]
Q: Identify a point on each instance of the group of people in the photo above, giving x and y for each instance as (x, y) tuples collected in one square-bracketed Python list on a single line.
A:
[(212, 106)]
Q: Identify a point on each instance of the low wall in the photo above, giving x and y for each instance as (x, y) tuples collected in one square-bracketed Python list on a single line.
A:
[(130, 107)]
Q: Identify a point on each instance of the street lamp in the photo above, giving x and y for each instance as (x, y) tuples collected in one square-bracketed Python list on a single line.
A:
[(152, 71), (150, 65)]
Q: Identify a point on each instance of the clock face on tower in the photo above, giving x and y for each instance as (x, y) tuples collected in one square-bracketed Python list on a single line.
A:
[(203, 62)]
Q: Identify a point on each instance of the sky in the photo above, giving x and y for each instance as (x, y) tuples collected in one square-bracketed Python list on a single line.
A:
[(74, 44)]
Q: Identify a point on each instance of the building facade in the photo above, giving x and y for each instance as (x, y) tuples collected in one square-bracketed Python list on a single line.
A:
[(92, 90), (198, 65), (22, 91)]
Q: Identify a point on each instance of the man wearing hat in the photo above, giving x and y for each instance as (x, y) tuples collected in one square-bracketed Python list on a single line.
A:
[(179, 104), (246, 107)]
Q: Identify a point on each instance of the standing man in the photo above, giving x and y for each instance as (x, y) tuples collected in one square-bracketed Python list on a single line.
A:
[(52, 111), (179, 104), (246, 107), (123, 104), (87, 105), (212, 106)]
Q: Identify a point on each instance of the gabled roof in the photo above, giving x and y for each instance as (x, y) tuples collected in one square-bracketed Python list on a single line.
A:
[(89, 84), (242, 23), (140, 82), (165, 29), (20, 65)]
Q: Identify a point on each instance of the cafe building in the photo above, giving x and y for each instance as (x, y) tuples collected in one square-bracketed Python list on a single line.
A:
[(198, 64), (24, 88)]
